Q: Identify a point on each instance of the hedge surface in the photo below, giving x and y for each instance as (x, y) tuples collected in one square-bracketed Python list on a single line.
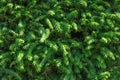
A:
[(59, 39)]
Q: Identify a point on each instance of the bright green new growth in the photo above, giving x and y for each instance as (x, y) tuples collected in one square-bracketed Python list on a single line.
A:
[(59, 39)]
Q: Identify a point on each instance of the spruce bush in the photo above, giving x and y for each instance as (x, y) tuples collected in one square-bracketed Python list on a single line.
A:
[(60, 39)]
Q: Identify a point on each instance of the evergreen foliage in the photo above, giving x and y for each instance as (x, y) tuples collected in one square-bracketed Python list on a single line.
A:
[(59, 39)]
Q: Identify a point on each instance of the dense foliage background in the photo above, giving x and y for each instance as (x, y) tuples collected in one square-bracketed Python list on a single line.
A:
[(59, 40)]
